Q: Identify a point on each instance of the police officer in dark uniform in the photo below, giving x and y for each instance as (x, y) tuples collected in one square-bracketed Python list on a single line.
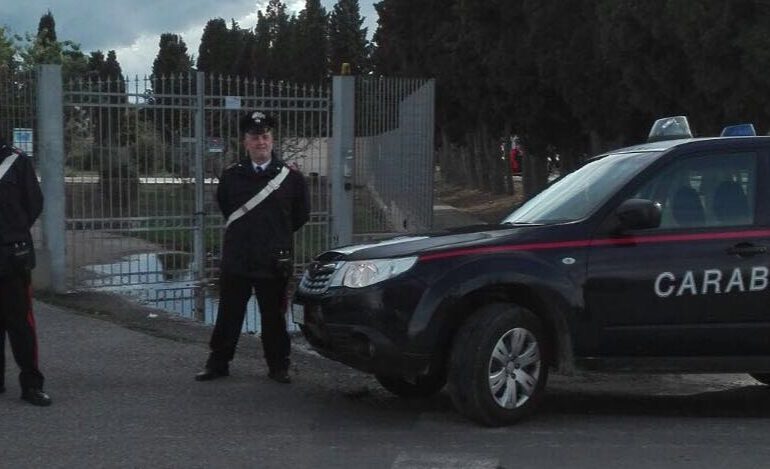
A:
[(258, 246), (21, 202)]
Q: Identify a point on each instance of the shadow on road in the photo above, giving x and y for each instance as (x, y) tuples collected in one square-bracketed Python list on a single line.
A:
[(744, 401), (740, 402)]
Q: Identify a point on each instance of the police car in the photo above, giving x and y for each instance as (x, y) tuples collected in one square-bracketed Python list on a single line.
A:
[(651, 258)]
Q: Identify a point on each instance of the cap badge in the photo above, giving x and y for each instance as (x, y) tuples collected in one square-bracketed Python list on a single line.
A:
[(257, 117)]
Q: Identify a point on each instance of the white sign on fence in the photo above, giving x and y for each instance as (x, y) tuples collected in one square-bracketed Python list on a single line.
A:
[(232, 102)]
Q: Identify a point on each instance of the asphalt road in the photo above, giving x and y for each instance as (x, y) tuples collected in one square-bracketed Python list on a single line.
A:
[(124, 397), (121, 376)]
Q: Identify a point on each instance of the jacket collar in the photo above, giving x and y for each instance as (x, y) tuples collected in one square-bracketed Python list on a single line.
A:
[(272, 169)]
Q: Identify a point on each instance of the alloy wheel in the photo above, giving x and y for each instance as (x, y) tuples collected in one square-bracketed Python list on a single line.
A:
[(514, 368)]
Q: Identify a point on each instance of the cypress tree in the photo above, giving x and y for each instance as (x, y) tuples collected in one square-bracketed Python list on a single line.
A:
[(172, 56), (347, 38), (46, 28), (312, 44)]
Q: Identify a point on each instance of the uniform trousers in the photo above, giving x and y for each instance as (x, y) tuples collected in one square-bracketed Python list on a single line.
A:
[(17, 320), (234, 294)]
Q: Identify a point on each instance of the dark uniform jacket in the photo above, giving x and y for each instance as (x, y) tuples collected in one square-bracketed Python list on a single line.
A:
[(254, 242), (21, 202)]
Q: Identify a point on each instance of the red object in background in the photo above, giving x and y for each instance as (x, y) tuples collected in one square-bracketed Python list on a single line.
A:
[(516, 155)]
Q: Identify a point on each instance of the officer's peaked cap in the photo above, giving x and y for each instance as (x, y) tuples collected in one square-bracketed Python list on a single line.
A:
[(256, 122)]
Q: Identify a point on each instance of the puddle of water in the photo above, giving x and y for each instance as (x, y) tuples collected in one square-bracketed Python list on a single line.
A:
[(165, 281)]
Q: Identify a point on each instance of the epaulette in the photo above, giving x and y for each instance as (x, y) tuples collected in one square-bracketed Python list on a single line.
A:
[(18, 151)]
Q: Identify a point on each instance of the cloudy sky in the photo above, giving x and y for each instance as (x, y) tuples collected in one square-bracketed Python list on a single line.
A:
[(133, 27)]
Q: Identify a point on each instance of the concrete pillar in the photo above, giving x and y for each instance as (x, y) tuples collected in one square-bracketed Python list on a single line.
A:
[(50, 135), (342, 161)]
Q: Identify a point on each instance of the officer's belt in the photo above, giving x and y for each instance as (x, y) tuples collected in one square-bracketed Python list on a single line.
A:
[(6, 164), (272, 185)]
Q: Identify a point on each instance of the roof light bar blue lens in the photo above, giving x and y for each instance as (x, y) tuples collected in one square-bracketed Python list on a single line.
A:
[(740, 130)]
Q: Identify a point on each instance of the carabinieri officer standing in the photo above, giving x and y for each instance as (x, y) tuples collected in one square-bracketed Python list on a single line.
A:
[(21, 202), (264, 203)]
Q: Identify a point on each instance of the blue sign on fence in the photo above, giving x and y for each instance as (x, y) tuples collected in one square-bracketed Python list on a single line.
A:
[(215, 144), (22, 139)]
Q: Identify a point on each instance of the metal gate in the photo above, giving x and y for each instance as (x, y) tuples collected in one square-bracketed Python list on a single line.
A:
[(130, 170), (17, 107), (393, 156), (17, 116), (142, 162)]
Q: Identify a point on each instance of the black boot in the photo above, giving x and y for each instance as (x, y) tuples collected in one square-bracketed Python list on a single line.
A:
[(36, 397), (210, 373), (281, 376)]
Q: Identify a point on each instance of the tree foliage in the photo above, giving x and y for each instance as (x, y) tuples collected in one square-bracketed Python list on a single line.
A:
[(101, 68), (171, 81), (274, 45), (43, 48), (579, 76), (347, 38), (305, 48), (7, 51), (312, 42), (217, 51), (46, 28), (105, 77), (172, 58)]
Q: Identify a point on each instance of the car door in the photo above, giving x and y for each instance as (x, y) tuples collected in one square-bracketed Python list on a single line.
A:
[(697, 285)]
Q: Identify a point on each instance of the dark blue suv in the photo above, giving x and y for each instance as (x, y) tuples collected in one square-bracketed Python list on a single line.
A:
[(651, 258)]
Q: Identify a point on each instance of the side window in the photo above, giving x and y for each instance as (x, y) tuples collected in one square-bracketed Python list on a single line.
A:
[(705, 191)]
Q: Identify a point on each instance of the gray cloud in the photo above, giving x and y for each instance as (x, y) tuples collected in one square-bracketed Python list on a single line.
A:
[(99, 24), (133, 27)]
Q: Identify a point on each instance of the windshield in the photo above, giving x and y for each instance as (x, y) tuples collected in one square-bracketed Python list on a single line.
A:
[(578, 194)]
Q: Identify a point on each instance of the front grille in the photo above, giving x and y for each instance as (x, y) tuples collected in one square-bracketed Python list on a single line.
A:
[(317, 277)]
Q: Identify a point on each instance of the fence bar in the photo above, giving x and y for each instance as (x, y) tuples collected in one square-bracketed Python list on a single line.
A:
[(199, 257)]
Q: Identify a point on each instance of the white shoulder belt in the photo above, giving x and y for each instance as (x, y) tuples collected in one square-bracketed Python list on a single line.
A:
[(6, 164), (272, 185)]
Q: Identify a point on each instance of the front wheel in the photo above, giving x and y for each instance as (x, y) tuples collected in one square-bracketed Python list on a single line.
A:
[(498, 366), (422, 386)]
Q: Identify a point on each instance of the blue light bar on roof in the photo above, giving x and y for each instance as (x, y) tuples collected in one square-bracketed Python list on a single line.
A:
[(740, 130)]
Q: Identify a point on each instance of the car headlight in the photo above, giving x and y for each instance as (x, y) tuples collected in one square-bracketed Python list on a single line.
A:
[(359, 274)]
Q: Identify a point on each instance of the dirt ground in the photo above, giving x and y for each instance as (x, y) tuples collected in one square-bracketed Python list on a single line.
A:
[(490, 208)]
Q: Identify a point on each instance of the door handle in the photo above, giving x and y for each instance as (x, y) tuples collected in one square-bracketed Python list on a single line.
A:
[(746, 250)]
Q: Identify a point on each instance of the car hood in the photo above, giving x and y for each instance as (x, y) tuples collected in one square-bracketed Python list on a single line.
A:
[(420, 244)]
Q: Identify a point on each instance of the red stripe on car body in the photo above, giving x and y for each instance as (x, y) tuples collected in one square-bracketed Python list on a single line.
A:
[(626, 241)]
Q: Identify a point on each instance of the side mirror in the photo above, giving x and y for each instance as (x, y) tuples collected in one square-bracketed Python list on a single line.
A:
[(638, 214)]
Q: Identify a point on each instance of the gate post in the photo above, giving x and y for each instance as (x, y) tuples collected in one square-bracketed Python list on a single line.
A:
[(342, 162), (199, 257), (50, 126)]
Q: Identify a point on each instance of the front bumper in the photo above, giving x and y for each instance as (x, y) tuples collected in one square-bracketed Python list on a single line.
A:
[(367, 329)]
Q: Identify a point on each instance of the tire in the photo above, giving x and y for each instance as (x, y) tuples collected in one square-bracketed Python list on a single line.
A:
[(498, 367), (763, 378), (424, 386)]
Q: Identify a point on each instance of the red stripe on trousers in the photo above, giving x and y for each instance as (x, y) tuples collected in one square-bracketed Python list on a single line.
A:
[(31, 322)]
